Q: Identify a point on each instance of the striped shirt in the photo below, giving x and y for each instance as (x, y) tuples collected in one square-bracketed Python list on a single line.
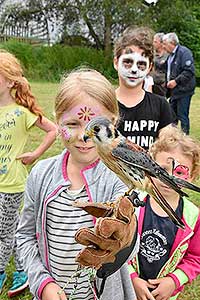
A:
[(63, 221)]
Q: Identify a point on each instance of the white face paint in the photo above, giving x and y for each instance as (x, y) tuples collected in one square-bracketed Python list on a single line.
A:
[(133, 68)]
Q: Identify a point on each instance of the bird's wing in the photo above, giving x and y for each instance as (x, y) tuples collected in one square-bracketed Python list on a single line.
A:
[(170, 181), (166, 207), (130, 158), (132, 146), (142, 161)]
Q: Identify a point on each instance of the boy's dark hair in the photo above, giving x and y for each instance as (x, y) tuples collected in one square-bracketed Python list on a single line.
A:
[(142, 37)]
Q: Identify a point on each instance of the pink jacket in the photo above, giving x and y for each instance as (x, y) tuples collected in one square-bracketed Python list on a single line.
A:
[(183, 264)]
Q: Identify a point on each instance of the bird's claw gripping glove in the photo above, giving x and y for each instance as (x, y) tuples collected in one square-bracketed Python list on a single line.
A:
[(114, 230)]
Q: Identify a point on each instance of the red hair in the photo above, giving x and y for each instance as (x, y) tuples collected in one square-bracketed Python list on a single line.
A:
[(11, 69)]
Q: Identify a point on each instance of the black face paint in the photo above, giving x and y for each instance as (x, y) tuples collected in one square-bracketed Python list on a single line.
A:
[(109, 132), (116, 133)]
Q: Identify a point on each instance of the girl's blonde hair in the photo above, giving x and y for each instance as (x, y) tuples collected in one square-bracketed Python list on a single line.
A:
[(90, 82), (11, 69), (171, 137)]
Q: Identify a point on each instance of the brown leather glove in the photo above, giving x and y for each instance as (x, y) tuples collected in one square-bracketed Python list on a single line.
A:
[(114, 230)]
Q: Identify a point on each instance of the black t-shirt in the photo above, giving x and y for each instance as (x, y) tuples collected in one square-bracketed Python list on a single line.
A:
[(142, 122), (158, 234)]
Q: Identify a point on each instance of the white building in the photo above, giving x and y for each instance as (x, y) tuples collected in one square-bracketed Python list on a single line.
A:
[(34, 30)]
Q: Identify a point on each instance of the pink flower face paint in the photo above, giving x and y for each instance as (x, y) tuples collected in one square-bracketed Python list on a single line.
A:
[(86, 113), (181, 171), (66, 134)]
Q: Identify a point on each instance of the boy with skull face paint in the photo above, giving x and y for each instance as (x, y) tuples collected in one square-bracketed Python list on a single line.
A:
[(142, 113)]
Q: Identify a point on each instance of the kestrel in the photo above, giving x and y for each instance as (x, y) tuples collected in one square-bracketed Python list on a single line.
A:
[(132, 164)]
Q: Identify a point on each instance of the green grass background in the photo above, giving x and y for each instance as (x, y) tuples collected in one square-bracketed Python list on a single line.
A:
[(45, 93)]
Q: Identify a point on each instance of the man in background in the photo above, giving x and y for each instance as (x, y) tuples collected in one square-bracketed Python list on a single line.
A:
[(159, 68), (180, 78)]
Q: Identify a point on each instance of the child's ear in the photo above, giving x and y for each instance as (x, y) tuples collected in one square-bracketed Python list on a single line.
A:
[(150, 68), (115, 63), (10, 84)]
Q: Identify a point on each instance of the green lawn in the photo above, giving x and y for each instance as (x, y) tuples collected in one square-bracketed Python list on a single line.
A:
[(45, 93)]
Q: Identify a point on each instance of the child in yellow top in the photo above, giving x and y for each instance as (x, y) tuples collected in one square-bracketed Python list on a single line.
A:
[(18, 113)]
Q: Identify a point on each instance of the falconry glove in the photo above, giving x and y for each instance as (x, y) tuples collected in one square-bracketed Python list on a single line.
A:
[(114, 232)]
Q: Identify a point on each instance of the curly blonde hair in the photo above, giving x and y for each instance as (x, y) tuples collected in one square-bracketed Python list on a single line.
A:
[(171, 137), (11, 69)]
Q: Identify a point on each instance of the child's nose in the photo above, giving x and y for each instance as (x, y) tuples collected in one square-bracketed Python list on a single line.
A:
[(133, 72), (81, 133), (134, 69)]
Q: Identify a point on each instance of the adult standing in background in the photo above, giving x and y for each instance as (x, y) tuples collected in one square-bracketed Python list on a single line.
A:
[(180, 78), (159, 69)]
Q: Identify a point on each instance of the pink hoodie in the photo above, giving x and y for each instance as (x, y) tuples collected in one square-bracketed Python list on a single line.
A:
[(183, 264)]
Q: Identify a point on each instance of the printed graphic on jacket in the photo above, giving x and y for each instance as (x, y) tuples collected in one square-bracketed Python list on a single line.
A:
[(153, 245)]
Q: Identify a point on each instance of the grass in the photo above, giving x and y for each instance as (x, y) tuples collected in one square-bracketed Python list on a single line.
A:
[(45, 93)]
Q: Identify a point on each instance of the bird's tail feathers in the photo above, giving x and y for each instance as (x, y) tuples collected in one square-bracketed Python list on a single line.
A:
[(166, 207), (171, 182), (185, 184)]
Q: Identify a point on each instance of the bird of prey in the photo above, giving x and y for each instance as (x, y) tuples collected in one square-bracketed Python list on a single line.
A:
[(132, 164)]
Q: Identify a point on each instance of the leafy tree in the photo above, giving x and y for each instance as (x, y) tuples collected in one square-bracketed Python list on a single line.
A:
[(100, 21), (182, 17)]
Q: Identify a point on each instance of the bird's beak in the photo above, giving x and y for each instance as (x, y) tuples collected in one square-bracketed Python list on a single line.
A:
[(88, 135), (85, 137)]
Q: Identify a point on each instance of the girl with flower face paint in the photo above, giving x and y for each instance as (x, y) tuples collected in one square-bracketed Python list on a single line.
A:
[(142, 113), (72, 124), (169, 257), (49, 221)]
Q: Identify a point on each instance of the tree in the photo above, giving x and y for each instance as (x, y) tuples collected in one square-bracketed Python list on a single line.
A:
[(182, 17), (101, 21), (36, 16)]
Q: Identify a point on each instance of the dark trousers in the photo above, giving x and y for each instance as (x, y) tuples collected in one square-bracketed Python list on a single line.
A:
[(181, 107)]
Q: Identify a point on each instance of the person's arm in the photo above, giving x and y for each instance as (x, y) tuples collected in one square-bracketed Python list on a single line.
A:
[(141, 288), (189, 267), (148, 84), (52, 291), (132, 268), (27, 239), (164, 288), (51, 131), (187, 69), (151, 83), (167, 115)]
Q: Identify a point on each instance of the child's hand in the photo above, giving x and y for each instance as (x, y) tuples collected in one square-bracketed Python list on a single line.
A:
[(52, 292), (165, 288), (141, 288), (27, 158)]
